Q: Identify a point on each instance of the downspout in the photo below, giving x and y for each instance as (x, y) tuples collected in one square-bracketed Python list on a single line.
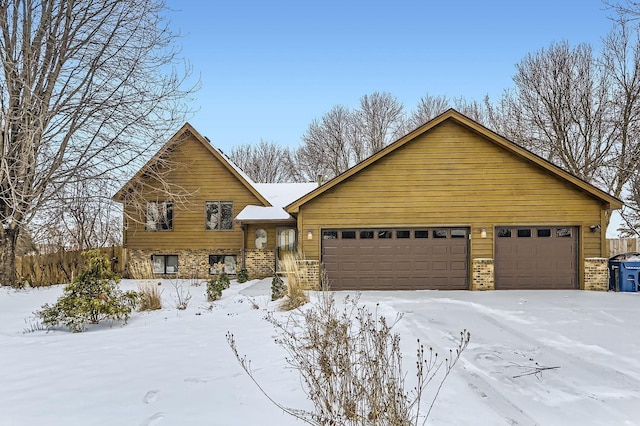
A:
[(244, 240)]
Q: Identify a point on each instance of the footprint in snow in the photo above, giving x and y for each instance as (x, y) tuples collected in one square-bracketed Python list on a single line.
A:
[(151, 396), (196, 380), (153, 420)]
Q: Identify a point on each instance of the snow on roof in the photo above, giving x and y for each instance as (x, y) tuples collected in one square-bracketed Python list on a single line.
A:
[(253, 213), (282, 194), (279, 195)]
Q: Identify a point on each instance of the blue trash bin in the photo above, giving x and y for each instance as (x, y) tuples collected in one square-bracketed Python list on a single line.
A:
[(624, 272), (629, 275)]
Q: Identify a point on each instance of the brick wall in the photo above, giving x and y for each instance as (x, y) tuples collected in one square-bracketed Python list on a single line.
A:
[(260, 263), (483, 275), (596, 274), (191, 263)]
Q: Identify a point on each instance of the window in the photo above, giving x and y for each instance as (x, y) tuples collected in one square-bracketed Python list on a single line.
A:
[(165, 263), (222, 262), (348, 235), (524, 233), (504, 233), (159, 216), (421, 234), (218, 215), (329, 235), (385, 234), (458, 233), (544, 232), (439, 233), (563, 232), (365, 235), (403, 234)]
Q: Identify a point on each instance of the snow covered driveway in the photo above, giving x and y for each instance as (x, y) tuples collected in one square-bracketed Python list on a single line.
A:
[(174, 367)]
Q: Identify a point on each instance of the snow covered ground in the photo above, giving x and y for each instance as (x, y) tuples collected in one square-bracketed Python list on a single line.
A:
[(173, 367)]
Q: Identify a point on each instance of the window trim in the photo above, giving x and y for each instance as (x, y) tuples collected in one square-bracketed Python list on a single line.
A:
[(220, 203), (165, 257)]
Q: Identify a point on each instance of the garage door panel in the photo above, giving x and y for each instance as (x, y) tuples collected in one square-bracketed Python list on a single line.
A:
[(459, 266), (386, 262)]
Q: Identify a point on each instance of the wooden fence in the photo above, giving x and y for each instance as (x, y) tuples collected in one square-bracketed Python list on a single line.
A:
[(623, 245), (60, 267)]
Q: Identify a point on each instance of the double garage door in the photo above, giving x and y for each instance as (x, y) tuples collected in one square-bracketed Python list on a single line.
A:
[(438, 258), (396, 259)]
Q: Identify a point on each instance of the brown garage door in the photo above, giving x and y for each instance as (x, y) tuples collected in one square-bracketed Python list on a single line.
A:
[(396, 259), (536, 258)]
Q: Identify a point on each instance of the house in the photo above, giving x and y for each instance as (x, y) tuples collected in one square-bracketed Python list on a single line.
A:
[(221, 219), (451, 205)]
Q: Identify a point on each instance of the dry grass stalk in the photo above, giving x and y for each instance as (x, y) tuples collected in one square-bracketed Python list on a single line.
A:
[(296, 283), (150, 296), (140, 270)]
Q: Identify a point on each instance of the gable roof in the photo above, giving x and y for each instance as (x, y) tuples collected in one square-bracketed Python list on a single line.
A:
[(184, 132), (451, 114)]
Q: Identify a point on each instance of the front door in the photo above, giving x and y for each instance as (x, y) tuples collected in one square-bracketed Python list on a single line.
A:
[(285, 243)]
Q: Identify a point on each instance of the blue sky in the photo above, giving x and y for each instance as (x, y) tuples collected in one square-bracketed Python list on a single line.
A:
[(268, 68)]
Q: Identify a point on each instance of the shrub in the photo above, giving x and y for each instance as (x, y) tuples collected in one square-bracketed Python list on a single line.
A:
[(92, 297), (180, 298), (150, 296), (296, 296), (243, 276), (278, 289), (215, 286), (350, 364)]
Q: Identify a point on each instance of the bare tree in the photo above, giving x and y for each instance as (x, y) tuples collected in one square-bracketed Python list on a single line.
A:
[(563, 100), (80, 220), (429, 107), (378, 121), (83, 83), (326, 150), (625, 11), (621, 60), (265, 162)]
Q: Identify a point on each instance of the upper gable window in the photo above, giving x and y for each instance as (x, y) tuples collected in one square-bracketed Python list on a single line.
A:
[(218, 215), (159, 216)]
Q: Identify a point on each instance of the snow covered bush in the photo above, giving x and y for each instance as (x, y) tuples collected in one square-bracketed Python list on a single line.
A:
[(215, 286), (243, 276), (278, 289), (350, 365), (92, 297)]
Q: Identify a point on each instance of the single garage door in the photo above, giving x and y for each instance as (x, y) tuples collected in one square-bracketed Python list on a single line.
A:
[(540, 257), (396, 259)]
